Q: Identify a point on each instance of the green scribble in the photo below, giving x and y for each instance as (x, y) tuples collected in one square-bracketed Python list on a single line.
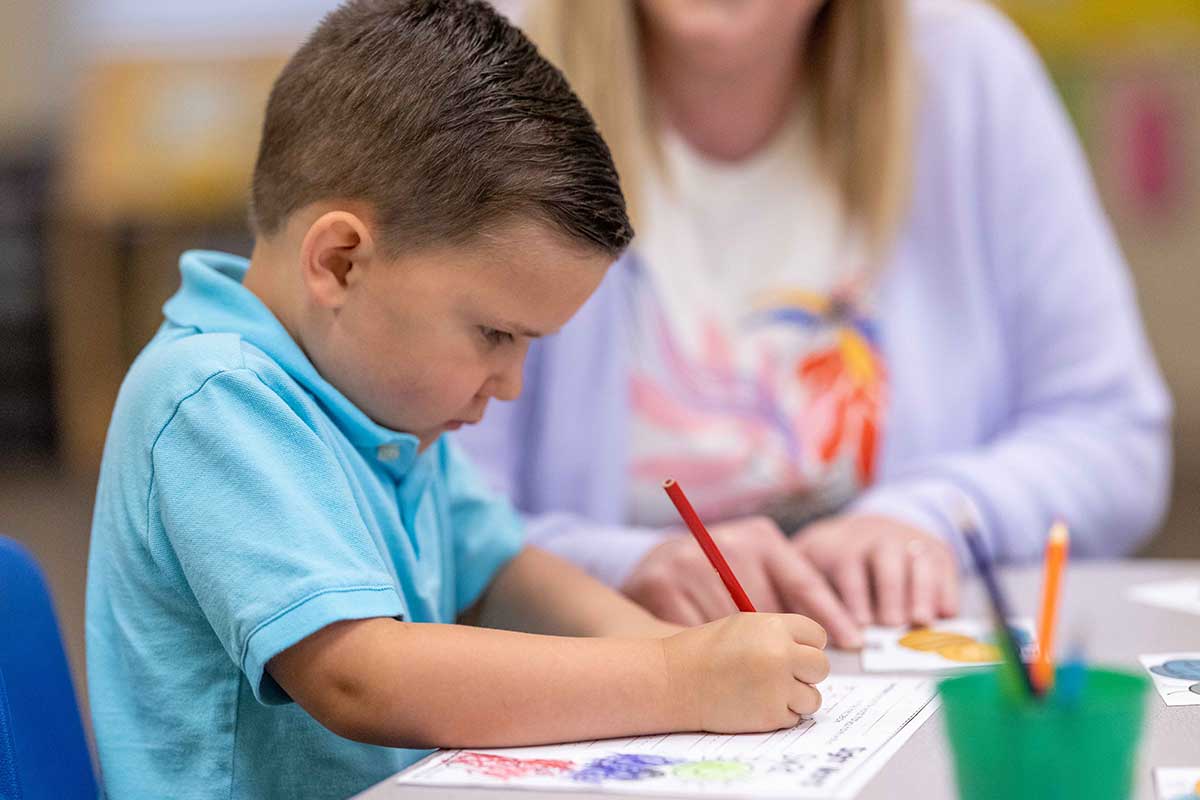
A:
[(712, 770)]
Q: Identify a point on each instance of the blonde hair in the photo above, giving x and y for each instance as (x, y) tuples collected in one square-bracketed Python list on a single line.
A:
[(857, 64)]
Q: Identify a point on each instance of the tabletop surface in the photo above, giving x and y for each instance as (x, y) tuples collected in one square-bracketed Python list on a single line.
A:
[(1095, 604)]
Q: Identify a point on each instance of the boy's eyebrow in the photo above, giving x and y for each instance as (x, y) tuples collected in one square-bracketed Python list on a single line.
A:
[(520, 329)]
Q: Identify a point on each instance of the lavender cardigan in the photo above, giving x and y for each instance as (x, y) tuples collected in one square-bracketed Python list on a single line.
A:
[(1020, 373)]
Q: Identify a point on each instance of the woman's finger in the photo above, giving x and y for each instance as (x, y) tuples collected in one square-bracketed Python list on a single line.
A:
[(889, 571), (850, 578), (760, 589), (803, 589), (925, 571), (706, 593), (948, 586), (660, 593), (684, 611)]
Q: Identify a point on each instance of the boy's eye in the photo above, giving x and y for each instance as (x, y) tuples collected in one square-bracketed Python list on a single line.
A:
[(495, 337)]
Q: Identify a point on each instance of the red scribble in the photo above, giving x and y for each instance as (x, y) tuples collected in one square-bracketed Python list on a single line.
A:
[(505, 768)]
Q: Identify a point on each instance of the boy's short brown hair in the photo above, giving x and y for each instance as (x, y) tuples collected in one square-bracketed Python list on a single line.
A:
[(444, 119)]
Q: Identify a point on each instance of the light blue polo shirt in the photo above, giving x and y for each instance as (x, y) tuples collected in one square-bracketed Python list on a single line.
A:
[(243, 505)]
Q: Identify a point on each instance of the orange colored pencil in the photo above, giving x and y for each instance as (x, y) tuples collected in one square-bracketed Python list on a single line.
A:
[(1056, 559)]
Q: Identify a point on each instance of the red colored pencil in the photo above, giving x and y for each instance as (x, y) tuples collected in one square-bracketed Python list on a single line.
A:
[(707, 545)]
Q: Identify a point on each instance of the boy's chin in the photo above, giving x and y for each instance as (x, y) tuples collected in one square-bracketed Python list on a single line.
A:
[(429, 437), (425, 440)]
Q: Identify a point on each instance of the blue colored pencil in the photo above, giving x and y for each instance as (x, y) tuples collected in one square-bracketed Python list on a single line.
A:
[(1072, 675), (1000, 607)]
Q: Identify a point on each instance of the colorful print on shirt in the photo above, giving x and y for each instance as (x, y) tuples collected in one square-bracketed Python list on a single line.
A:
[(777, 412)]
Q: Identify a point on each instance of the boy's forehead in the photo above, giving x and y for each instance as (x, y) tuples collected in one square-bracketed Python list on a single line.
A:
[(524, 235), (524, 282), (527, 253)]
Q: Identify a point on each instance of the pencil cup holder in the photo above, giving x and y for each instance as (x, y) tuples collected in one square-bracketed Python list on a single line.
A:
[(1051, 748)]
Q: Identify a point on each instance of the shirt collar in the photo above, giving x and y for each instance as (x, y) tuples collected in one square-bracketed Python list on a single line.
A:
[(212, 299)]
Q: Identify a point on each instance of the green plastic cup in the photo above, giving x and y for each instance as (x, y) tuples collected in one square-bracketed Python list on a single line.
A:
[(1006, 748)]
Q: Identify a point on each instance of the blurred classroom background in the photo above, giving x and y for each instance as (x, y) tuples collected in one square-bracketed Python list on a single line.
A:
[(128, 130)]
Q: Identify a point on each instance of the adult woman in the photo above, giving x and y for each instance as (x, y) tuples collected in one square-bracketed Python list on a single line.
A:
[(872, 287)]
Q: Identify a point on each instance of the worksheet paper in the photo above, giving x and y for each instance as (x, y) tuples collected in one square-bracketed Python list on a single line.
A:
[(1175, 595), (862, 722), (1176, 677), (949, 645), (1177, 783)]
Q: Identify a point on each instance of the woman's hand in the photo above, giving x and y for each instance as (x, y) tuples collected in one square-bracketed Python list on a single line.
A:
[(885, 571), (675, 581)]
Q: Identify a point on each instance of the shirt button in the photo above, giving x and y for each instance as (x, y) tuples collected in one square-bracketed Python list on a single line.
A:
[(387, 452)]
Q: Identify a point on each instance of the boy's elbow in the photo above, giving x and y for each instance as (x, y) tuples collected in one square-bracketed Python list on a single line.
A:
[(346, 710), (338, 705), (327, 675), (350, 677), (417, 736)]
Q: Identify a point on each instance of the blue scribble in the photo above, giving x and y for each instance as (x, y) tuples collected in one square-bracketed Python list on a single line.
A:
[(623, 767)]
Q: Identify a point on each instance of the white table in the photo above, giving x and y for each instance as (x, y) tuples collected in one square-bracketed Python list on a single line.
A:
[(1094, 600)]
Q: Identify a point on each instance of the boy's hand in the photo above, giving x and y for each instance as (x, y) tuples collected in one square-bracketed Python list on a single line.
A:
[(676, 582), (747, 673), (911, 575)]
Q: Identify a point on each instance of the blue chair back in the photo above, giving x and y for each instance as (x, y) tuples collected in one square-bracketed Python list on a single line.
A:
[(43, 750)]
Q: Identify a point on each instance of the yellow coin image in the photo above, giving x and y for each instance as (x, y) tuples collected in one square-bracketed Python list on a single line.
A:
[(927, 639), (970, 652)]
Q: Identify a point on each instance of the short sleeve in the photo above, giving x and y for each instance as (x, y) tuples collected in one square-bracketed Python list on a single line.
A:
[(487, 530), (257, 515)]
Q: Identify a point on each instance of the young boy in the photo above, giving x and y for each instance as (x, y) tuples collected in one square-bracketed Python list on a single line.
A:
[(294, 576)]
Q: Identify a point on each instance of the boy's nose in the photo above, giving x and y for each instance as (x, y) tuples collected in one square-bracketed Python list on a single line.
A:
[(506, 384)]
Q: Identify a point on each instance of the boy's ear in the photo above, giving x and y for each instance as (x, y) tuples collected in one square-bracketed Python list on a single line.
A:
[(335, 253)]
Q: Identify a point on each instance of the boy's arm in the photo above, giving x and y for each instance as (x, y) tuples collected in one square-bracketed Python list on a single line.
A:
[(539, 592), (401, 684)]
